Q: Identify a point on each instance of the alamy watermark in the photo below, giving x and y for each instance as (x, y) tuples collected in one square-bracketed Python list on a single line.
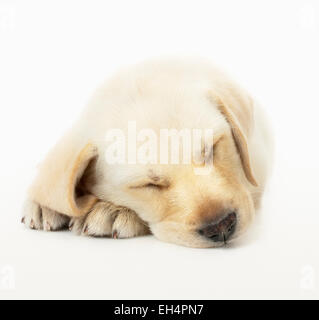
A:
[(307, 17), (7, 278), (307, 278), (7, 17), (164, 146)]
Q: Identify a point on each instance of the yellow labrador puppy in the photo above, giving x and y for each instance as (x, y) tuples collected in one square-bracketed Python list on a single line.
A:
[(109, 175)]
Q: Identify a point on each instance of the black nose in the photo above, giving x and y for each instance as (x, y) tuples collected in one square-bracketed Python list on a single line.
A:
[(221, 230)]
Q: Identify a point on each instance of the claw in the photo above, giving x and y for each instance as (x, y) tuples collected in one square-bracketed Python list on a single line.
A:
[(71, 226), (47, 226), (32, 224), (85, 231), (23, 219), (114, 234)]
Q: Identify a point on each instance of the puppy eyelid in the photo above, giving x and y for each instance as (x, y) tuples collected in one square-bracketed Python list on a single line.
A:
[(147, 185), (151, 185)]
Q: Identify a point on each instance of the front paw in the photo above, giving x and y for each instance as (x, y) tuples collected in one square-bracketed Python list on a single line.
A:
[(42, 218), (107, 219)]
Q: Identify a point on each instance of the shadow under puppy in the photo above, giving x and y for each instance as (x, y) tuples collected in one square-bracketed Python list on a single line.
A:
[(76, 188)]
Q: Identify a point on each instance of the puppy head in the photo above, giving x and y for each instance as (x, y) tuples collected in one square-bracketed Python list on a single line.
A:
[(181, 206)]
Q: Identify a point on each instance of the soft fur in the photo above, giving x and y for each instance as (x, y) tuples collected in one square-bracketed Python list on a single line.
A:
[(76, 188)]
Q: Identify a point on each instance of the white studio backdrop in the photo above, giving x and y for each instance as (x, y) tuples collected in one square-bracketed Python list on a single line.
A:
[(53, 54)]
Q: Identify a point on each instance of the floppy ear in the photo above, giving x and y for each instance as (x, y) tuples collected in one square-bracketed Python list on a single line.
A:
[(237, 108), (57, 183)]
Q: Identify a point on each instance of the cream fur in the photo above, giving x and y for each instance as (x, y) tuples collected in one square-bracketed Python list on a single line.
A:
[(157, 94)]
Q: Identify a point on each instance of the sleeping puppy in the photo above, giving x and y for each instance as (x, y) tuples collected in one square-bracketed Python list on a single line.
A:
[(106, 177)]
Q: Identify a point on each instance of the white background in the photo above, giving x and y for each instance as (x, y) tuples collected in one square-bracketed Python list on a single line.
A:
[(53, 54)]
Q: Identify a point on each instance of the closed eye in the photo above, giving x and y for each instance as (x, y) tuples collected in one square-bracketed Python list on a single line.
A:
[(151, 185)]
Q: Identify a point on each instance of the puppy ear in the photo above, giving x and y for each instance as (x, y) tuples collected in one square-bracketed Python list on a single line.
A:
[(57, 183), (237, 108)]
